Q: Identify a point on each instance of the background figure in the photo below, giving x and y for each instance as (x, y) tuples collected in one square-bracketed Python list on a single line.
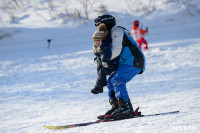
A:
[(138, 34)]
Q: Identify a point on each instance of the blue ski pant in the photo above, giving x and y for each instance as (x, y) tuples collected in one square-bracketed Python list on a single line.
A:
[(117, 81)]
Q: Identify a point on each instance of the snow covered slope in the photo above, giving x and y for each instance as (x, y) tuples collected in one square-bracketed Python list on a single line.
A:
[(56, 90), (40, 86)]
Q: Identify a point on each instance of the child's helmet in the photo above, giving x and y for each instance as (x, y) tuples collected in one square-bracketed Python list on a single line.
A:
[(136, 22)]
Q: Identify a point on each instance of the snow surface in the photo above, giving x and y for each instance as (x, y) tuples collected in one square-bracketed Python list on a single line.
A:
[(40, 86)]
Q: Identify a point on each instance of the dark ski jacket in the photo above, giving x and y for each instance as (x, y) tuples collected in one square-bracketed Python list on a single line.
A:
[(107, 53)]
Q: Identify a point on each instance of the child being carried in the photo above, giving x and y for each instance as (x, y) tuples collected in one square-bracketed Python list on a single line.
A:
[(102, 51)]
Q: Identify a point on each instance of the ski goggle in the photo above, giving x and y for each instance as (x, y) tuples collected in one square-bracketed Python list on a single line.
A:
[(136, 25), (97, 21)]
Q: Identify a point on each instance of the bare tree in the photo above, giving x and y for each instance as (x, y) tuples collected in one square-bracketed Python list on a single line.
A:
[(10, 9), (188, 7), (130, 4), (76, 13), (102, 9), (87, 6), (50, 7), (140, 6)]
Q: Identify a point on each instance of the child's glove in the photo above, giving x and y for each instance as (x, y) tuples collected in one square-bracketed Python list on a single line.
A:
[(97, 49), (147, 29), (105, 64), (97, 60)]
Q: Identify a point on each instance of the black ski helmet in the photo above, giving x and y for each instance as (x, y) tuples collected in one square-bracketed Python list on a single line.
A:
[(108, 20)]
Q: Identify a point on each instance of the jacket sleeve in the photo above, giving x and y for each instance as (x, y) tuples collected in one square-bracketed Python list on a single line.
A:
[(117, 35), (106, 49), (106, 54), (143, 31)]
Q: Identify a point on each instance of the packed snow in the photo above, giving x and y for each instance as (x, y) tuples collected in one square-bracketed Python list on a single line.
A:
[(51, 86)]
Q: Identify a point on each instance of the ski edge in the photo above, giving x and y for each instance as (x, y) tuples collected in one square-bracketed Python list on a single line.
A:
[(165, 113), (98, 121)]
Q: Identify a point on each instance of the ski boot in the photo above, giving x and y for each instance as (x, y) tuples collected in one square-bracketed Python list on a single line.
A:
[(124, 111), (97, 90), (136, 113), (114, 104)]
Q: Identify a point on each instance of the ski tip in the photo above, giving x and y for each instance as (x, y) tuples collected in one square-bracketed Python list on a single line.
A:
[(51, 127), (176, 111), (46, 127), (58, 127)]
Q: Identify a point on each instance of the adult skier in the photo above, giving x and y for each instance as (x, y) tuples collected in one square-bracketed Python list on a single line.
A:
[(138, 34), (131, 63)]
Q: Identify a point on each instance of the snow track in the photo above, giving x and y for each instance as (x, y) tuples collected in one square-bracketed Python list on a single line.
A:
[(56, 90)]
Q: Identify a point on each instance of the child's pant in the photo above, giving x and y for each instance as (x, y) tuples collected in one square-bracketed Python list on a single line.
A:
[(101, 75), (142, 41)]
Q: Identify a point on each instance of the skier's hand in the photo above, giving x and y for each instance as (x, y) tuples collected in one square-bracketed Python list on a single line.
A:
[(147, 29), (97, 60), (105, 64)]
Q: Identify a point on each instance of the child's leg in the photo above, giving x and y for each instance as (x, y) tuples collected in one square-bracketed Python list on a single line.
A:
[(139, 44), (99, 67), (101, 78), (145, 44), (98, 88)]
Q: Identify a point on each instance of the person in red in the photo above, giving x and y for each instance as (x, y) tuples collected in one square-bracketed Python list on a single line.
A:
[(138, 34)]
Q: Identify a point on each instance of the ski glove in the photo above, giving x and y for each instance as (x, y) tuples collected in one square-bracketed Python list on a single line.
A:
[(97, 60), (147, 29), (105, 64)]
